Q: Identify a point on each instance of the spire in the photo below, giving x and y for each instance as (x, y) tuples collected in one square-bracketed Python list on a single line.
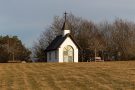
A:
[(65, 25)]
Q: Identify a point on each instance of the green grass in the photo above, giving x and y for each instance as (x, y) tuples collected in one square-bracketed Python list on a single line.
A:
[(68, 76)]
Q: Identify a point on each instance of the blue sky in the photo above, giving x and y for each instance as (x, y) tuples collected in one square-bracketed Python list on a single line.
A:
[(28, 18)]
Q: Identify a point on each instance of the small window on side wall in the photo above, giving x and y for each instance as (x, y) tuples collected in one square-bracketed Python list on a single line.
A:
[(50, 56), (56, 54)]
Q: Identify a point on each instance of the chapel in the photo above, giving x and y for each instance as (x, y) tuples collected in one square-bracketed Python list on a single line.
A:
[(63, 48)]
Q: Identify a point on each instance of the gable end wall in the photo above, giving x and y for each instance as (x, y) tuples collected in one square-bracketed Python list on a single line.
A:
[(68, 41)]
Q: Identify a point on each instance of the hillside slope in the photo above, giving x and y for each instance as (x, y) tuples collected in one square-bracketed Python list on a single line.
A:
[(70, 76)]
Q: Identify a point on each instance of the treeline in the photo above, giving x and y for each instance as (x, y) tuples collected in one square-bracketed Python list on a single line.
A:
[(12, 49), (109, 40)]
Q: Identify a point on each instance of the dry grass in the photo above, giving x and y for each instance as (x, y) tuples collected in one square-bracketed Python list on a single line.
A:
[(68, 76)]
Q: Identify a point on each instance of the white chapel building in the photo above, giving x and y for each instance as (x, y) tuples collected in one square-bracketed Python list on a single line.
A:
[(63, 48)]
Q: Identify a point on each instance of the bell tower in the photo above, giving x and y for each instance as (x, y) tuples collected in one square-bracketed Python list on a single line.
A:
[(65, 28)]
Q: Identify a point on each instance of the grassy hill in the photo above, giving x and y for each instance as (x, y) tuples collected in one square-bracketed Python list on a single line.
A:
[(71, 76)]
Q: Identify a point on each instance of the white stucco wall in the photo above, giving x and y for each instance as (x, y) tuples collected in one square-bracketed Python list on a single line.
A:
[(59, 58), (68, 41), (66, 32), (53, 59)]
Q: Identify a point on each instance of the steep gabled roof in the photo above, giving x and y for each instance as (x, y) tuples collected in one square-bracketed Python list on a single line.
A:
[(55, 44)]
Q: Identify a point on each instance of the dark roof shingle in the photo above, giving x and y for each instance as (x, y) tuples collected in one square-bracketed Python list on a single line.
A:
[(55, 44)]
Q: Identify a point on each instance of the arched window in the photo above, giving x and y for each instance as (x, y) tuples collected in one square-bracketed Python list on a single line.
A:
[(68, 54)]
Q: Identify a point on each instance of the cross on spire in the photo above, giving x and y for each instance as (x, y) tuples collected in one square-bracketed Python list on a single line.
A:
[(65, 15)]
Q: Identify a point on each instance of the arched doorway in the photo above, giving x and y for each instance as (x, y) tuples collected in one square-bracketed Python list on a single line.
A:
[(68, 54)]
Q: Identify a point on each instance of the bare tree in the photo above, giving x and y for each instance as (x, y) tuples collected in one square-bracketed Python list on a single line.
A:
[(115, 39)]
